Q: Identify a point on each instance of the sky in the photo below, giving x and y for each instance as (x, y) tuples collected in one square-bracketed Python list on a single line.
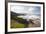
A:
[(30, 11)]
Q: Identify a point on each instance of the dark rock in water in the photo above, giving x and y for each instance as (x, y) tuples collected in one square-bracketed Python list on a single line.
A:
[(31, 21)]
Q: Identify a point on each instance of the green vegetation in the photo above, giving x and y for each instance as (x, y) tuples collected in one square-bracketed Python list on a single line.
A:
[(14, 24), (17, 22), (17, 25)]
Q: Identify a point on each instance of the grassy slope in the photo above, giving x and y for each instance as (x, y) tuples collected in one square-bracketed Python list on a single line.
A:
[(14, 24)]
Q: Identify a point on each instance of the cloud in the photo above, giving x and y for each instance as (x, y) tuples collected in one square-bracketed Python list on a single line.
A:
[(31, 11), (22, 9)]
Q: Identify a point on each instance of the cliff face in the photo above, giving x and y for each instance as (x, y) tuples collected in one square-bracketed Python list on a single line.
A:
[(32, 22), (16, 14)]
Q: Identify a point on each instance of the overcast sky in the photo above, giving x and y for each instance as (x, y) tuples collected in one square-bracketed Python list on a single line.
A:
[(26, 9), (29, 10)]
